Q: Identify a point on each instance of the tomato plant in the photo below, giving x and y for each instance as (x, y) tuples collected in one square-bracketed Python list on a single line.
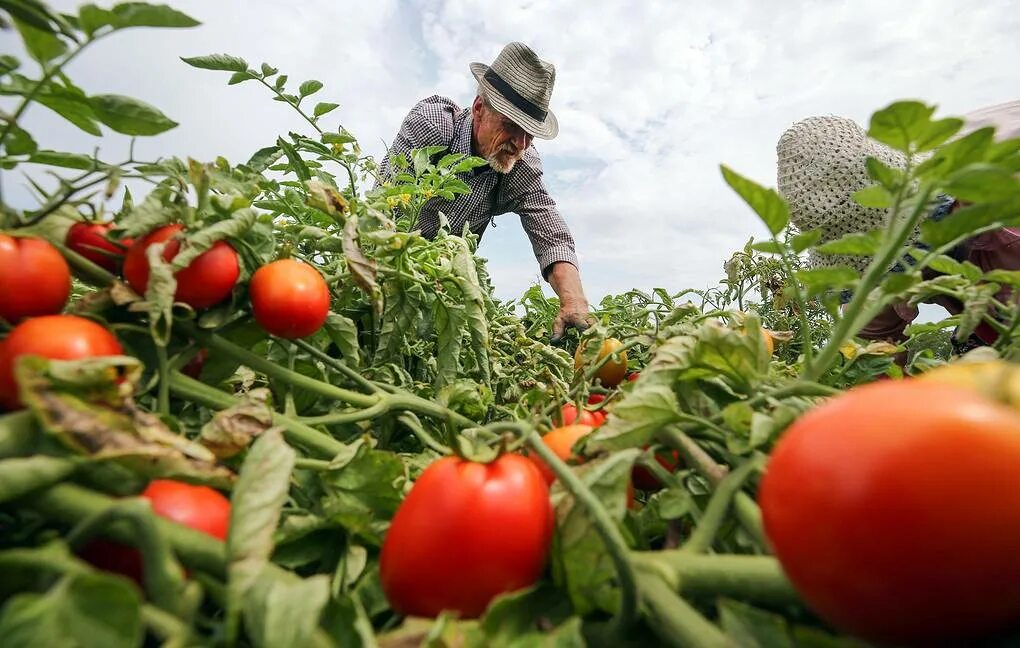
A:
[(289, 299), (886, 486), (59, 337), (34, 278), (205, 282), (92, 241), (645, 480), (466, 533)]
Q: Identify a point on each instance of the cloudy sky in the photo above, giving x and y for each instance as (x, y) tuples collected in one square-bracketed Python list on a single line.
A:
[(650, 97)]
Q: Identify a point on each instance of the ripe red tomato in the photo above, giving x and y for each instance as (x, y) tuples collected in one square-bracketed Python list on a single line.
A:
[(645, 480), (598, 418), (895, 511), (194, 366), (290, 299), (595, 399), (206, 281), (198, 507), (466, 533), (91, 240), (612, 372), (58, 337), (569, 416), (631, 377), (561, 441), (34, 278)]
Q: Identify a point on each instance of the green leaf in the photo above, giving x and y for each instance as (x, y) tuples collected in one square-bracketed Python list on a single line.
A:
[(83, 610), (132, 14), (280, 82), (753, 628), (856, 244), (66, 160), (297, 165), (198, 242), (901, 125), (959, 153), (898, 282), (512, 619), (805, 240), (309, 88), (363, 491), (268, 70), (982, 183), (582, 557), (886, 176), (324, 107), (820, 280), (1009, 277), (948, 265), (768, 204), (937, 132), (875, 196), (969, 220), (72, 104), (255, 506), (282, 609), (224, 62), (768, 247), (130, 116), (344, 334), (19, 142), (240, 77), (43, 46), (8, 64)]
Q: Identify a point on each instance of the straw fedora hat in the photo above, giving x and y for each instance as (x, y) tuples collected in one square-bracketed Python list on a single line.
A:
[(519, 86)]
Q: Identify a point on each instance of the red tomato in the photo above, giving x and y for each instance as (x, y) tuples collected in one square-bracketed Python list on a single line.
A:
[(568, 416), (598, 418), (58, 337), (91, 240), (206, 281), (633, 376), (595, 399), (894, 509), (466, 533), (198, 507), (34, 278), (645, 480), (561, 441), (194, 367), (289, 299)]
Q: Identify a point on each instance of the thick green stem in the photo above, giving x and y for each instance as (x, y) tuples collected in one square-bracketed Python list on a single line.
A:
[(273, 370), (163, 399), (308, 438), (604, 525), (412, 423), (351, 416), (756, 579), (693, 455), (674, 620), (71, 504), (715, 513)]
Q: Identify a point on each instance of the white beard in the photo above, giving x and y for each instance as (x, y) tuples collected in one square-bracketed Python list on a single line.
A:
[(501, 167)]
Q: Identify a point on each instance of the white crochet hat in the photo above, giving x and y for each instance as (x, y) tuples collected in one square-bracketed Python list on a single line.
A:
[(821, 164)]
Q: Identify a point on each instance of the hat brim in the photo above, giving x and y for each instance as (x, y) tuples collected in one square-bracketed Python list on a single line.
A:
[(547, 129)]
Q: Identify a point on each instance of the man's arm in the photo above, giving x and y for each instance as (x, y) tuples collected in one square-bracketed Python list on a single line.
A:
[(551, 241)]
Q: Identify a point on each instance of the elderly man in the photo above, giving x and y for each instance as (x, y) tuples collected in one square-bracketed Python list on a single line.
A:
[(821, 163), (510, 110)]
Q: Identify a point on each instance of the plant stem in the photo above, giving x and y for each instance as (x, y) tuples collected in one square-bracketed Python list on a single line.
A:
[(71, 504), (604, 525), (757, 579), (674, 620), (308, 438), (18, 433), (715, 513), (350, 416), (338, 365), (693, 455), (163, 399), (413, 424)]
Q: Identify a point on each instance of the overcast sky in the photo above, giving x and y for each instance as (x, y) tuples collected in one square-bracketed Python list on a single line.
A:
[(650, 97)]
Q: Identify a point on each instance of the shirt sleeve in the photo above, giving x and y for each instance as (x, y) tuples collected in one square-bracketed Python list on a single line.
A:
[(550, 237), (429, 123)]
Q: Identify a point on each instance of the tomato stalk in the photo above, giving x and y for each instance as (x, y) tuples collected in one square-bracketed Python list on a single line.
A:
[(163, 394), (604, 524), (338, 365), (674, 620), (163, 577), (296, 433), (718, 506), (71, 504), (756, 579)]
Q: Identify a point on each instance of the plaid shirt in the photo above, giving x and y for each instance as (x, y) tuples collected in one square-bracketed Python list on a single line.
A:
[(438, 121)]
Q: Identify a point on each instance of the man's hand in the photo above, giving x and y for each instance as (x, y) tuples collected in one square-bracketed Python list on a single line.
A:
[(566, 282), (569, 317)]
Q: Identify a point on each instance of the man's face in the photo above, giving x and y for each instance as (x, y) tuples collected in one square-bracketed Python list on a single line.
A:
[(497, 139)]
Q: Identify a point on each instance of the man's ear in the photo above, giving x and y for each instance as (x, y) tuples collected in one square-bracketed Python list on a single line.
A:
[(476, 107)]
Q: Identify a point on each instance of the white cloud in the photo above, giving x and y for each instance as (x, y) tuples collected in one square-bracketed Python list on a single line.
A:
[(651, 97)]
